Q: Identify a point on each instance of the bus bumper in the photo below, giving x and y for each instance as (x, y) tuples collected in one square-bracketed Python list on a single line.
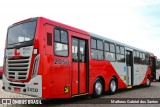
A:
[(32, 88)]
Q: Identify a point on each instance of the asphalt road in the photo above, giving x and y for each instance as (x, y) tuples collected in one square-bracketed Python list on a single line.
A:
[(137, 92)]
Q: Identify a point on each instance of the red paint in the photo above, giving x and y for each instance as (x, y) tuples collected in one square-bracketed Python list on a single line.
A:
[(16, 52), (35, 83), (56, 77), (74, 78), (148, 73), (1, 70), (17, 89)]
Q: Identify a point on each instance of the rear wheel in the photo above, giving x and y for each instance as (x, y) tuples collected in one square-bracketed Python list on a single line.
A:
[(159, 79), (98, 87), (148, 83), (112, 86)]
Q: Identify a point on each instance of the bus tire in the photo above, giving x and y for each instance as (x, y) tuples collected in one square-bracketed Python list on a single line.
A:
[(148, 83), (159, 79), (112, 86), (98, 88)]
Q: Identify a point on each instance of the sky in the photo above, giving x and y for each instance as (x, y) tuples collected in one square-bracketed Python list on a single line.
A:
[(133, 22)]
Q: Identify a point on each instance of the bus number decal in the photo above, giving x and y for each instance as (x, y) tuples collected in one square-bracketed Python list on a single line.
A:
[(33, 89), (58, 61)]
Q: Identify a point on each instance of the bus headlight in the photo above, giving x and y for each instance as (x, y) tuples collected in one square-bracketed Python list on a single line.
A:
[(35, 65)]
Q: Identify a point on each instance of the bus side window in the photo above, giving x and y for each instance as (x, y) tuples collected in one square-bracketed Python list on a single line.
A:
[(110, 52), (147, 60), (93, 50), (60, 42), (100, 49), (143, 58), (120, 54), (97, 49), (136, 57)]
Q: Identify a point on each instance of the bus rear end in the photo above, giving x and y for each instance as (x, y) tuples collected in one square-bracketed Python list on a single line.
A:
[(21, 59)]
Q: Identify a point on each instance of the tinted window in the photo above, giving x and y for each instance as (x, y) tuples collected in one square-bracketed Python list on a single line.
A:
[(99, 45), (137, 59), (110, 52), (57, 35), (140, 55), (60, 42), (21, 33), (110, 56), (112, 48), (120, 58), (61, 49), (94, 54), (143, 59), (143, 56), (134, 53), (106, 46), (64, 38), (137, 54), (100, 55), (117, 49), (147, 59), (120, 54), (122, 50), (93, 43)]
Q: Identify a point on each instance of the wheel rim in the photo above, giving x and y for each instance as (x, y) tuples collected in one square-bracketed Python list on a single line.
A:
[(98, 88), (113, 86), (148, 81)]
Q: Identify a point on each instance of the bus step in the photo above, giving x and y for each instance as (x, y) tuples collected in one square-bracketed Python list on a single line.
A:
[(129, 87), (79, 95)]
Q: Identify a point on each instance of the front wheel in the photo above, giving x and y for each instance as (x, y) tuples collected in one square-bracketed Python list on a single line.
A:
[(112, 86), (98, 87)]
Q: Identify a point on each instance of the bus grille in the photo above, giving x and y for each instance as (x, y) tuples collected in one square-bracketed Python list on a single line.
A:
[(18, 68)]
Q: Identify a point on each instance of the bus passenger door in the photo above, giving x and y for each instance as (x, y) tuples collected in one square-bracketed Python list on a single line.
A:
[(79, 66), (153, 67), (129, 64)]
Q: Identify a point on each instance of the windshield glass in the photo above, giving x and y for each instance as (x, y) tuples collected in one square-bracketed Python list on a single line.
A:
[(21, 33)]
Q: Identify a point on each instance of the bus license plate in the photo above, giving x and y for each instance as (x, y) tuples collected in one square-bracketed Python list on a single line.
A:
[(16, 89)]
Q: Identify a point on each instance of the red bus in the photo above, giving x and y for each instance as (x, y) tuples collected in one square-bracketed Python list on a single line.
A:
[(47, 59)]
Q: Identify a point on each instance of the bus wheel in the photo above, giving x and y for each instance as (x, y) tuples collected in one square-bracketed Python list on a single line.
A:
[(98, 88), (148, 82), (159, 79), (112, 86)]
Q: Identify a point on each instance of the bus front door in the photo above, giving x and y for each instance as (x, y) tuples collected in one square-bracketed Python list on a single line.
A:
[(79, 66)]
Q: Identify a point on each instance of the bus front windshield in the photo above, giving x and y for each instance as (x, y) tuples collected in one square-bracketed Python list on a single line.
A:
[(21, 33)]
